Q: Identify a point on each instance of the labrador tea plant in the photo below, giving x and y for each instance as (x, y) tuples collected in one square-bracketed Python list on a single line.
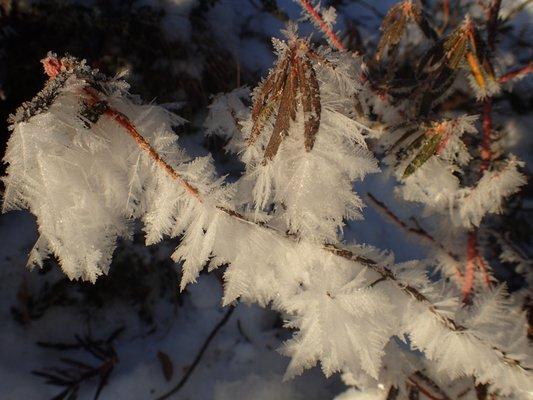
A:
[(90, 161)]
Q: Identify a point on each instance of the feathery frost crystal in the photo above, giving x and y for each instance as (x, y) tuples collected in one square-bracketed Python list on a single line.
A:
[(88, 160)]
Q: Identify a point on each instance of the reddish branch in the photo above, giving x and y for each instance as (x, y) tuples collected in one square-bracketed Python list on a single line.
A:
[(472, 253), (384, 273), (517, 73), (324, 27), (53, 66), (486, 152), (123, 121), (474, 260)]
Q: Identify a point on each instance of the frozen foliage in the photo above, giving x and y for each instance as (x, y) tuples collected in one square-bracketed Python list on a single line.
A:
[(74, 166), (88, 160), (435, 186), (304, 172)]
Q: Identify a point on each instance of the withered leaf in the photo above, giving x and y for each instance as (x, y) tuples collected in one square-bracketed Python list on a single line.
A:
[(262, 118), (393, 28), (423, 23), (268, 98), (409, 132), (310, 101), (456, 47), (395, 23), (286, 113), (276, 80), (429, 146), (166, 365)]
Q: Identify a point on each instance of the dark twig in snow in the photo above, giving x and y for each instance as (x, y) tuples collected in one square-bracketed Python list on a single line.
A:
[(199, 356)]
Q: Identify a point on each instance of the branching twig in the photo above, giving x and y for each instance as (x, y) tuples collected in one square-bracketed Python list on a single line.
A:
[(381, 270)]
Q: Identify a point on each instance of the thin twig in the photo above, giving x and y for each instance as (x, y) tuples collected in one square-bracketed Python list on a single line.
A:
[(517, 73), (486, 152), (472, 251), (419, 379), (383, 271), (199, 355), (124, 121), (418, 231), (324, 27)]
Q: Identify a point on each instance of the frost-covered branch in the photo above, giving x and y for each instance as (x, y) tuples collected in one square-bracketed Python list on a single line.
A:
[(88, 159)]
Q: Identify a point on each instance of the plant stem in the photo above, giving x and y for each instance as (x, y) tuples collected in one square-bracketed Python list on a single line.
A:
[(324, 27)]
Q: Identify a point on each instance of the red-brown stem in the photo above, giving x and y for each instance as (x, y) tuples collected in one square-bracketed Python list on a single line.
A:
[(472, 253), (143, 144), (471, 256), (326, 30), (420, 381), (486, 153), (52, 67), (383, 271), (492, 28), (524, 70), (473, 260)]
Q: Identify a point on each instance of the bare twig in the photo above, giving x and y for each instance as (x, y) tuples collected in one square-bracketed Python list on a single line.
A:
[(517, 73), (427, 386), (418, 230), (199, 355)]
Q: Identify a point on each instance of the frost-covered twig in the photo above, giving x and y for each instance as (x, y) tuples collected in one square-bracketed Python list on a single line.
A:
[(53, 66), (428, 387), (418, 230), (322, 24)]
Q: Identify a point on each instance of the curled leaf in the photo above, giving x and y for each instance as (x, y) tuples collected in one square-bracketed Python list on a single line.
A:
[(166, 365), (310, 102)]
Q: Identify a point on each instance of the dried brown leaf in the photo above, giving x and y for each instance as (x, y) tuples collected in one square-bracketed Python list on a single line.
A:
[(310, 101), (456, 47), (267, 99), (286, 113), (166, 365)]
